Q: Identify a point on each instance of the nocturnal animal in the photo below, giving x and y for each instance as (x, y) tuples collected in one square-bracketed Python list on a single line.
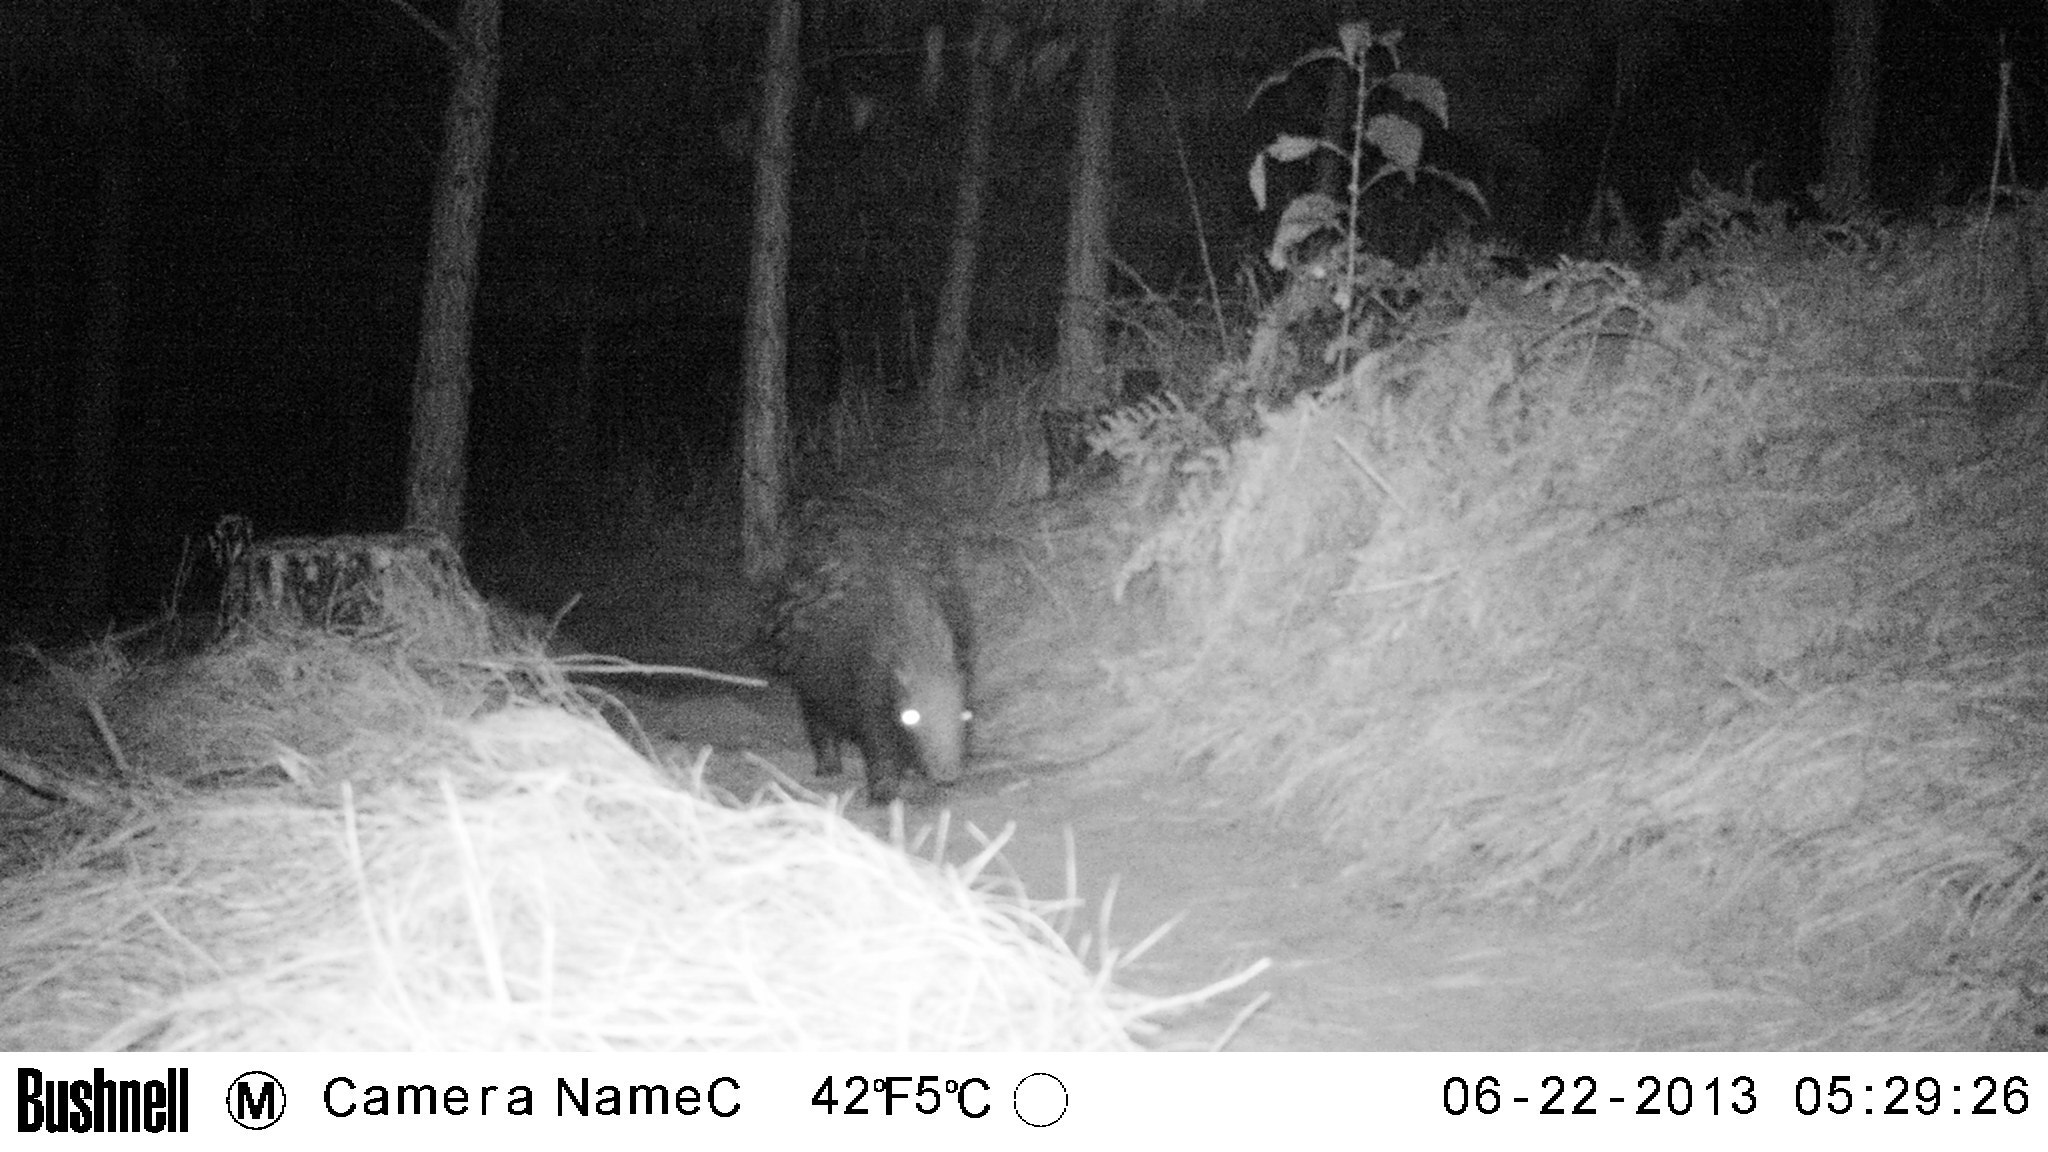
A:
[(870, 628)]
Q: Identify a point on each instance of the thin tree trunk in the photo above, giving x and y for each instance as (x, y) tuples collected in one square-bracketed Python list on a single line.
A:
[(1851, 124), (956, 298), (764, 455), (1081, 353), (89, 552), (437, 480)]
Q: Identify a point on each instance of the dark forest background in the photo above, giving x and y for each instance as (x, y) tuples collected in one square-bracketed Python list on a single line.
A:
[(283, 155)]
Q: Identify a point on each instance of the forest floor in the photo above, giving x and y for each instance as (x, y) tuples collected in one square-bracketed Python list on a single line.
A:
[(1349, 971)]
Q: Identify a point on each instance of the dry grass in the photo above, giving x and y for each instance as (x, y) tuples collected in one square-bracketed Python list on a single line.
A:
[(986, 452), (335, 845), (1740, 639)]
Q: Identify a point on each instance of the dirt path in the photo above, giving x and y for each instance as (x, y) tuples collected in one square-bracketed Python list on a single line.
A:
[(1346, 975)]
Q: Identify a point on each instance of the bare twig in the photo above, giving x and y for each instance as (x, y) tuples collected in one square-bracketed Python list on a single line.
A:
[(69, 677), (1180, 150), (446, 37), (1371, 473), (40, 780), (617, 666), (1237, 1022)]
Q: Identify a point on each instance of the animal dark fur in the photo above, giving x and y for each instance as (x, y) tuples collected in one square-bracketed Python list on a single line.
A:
[(871, 630)]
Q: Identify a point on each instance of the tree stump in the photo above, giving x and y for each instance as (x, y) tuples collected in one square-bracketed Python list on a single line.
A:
[(410, 584)]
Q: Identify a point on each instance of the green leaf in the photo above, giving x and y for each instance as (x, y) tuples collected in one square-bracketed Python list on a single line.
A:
[(1462, 185), (1287, 73), (1391, 41), (1398, 138), (1386, 170), (1356, 37), (1427, 91), (1287, 147)]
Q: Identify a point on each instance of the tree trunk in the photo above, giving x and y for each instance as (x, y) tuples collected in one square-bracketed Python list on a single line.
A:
[(89, 552), (956, 298), (1852, 103), (438, 477), (1081, 354), (764, 455)]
